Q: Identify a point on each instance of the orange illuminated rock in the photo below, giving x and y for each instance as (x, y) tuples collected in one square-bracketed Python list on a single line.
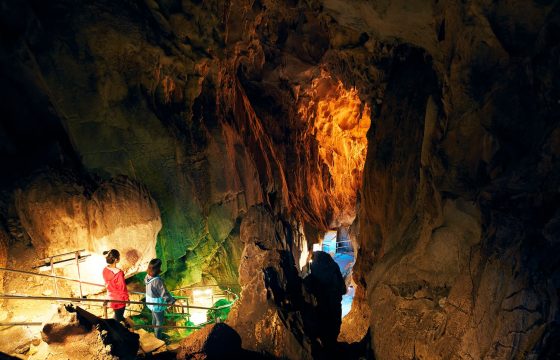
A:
[(339, 121), (3, 254)]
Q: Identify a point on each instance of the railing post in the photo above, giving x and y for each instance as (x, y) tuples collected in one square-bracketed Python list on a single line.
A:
[(54, 278), (77, 256), (188, 310)]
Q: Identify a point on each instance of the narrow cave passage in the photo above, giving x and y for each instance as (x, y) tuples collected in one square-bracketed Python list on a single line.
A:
[(339, 120), (338, 245)]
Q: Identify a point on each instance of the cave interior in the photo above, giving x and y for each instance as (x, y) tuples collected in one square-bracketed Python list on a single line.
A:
[(321, 179)]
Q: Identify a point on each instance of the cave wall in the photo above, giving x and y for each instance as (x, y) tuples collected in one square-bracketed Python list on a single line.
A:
[(199, 102), (59, 216), (127, 86), (458, 195)]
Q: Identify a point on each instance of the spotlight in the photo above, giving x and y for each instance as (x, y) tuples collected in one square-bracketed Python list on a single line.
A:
[(198, 317)]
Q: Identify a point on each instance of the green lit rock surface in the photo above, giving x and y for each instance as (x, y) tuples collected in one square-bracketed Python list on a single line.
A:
[(131, 99)]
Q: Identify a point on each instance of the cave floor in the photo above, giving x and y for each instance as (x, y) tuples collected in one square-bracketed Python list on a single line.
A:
[(22, 257)]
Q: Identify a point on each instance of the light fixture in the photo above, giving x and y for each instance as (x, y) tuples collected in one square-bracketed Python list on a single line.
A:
[(198, 317), (48, 264), (202, 292)]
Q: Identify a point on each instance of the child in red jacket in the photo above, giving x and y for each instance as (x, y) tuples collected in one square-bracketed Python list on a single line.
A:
[(116, 286)]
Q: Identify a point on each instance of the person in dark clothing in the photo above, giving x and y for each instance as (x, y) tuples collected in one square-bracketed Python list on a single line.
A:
[(327, 285), (116, 285), (157, 293)]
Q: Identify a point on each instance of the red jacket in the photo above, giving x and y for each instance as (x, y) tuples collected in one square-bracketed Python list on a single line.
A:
[(116, 287)]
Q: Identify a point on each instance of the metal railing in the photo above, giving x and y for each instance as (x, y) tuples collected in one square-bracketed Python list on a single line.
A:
[(105, 301), (342, 244), (49, 276), (50, 263), (348, 244), (173, 307), (60, 278), (186, 293), (80, 300)]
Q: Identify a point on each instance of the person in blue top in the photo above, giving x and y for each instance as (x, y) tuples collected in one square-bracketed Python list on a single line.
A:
[(156, 293)]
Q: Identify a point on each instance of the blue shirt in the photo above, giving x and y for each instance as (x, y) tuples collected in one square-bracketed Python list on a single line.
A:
[(157, 293)]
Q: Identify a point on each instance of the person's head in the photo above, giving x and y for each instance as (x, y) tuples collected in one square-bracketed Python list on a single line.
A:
[(154, 267), (112, 256)]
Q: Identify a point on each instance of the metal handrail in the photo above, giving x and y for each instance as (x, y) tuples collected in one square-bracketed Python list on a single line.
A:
[(103, 307), (105, 301), (61, 278), (195, 327), (59, 255), (50, 276), (206, 286), (103, 286), (79, 258), (69, 299)]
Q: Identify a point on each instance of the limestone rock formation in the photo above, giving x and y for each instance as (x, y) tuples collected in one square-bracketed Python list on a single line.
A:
[(278, 312), (149, 115), (61, 326), (4, 238), (217, 341), (70, 337), (268, 315), (148, 341), (118, 340), (60, 216), (452, 250), (123, 215)]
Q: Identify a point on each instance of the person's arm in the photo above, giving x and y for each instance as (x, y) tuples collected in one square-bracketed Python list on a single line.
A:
[(166, 295)]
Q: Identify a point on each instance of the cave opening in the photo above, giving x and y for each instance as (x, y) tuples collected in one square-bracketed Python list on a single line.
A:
[(338, 245), (339, 120)]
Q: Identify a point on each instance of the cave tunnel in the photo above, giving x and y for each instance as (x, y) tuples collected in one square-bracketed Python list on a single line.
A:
[(319, 179)]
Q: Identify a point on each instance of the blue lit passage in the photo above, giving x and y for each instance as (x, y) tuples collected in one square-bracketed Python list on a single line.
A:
[(340, 248)]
